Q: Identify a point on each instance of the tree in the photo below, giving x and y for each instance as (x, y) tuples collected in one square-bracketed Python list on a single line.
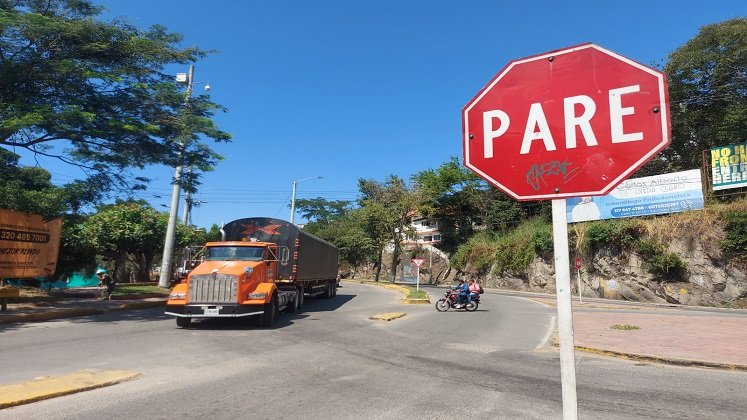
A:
[(708, 95), (462, 202), (99, 88), (386, 210), (124, 228), (322, 211), (336, 222)]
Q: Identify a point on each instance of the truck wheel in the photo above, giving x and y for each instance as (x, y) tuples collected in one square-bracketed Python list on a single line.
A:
[(300, 297), (183, 322), (293, 305), (271, 311)]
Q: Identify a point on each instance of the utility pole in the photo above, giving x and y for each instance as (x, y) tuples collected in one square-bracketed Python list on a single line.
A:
[(168, 248)]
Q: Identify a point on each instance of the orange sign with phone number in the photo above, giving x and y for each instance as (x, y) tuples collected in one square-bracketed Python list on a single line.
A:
[(29, 245)]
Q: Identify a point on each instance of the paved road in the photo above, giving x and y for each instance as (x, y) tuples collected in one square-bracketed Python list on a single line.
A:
[(332, 361)]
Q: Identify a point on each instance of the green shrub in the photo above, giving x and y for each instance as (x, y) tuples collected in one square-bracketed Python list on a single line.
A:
[(667, 265), (622, 233), (736, 233), (513, 251), (479, 250)]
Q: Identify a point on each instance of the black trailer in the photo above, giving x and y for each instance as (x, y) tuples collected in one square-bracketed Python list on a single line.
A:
[(311, 266)]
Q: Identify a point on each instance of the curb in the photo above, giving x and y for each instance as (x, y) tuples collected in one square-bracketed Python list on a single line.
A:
[(417, 301), (664, 360), (387, 316), (76, 312), (402, 289), (51, 387)]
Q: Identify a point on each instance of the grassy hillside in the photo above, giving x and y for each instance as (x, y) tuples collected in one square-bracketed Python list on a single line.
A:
[(720, 228)]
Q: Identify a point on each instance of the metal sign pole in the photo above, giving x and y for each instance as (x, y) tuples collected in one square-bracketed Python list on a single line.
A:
[(565, 313)]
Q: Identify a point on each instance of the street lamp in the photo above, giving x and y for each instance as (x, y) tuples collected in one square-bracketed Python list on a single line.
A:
[(293, 195), (168, 247)]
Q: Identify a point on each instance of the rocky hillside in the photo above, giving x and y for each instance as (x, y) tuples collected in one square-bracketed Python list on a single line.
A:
[(694, 258)]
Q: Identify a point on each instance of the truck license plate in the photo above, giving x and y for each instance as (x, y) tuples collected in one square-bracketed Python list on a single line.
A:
[(211, 311)]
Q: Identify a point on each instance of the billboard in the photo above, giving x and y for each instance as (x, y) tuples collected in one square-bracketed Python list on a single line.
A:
[(659, 194), (729, 166), (29, 245)]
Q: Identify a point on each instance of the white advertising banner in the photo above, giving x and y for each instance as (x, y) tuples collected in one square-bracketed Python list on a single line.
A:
[(659, 194)]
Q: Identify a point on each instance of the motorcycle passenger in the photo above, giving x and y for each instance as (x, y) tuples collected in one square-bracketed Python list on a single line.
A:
[(474, 290), (463, 289)]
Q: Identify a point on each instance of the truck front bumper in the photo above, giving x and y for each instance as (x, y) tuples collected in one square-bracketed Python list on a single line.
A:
[(214, 311)]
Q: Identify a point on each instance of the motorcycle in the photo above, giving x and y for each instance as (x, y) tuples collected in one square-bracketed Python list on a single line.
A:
[(450, 299)]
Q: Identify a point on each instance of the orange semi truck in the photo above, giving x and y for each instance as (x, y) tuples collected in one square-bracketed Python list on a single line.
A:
[(260, 267)]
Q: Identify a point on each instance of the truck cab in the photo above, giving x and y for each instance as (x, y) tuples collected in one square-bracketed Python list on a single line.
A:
[(234, 279)]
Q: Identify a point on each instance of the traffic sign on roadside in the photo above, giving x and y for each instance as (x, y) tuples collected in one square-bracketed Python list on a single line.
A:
[(567, 123), (418, 262)]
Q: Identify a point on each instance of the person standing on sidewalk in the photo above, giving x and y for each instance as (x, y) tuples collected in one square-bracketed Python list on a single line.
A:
[(106, 280)]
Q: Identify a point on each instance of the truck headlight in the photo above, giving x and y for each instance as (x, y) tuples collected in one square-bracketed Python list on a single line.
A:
[(256, 295), (178, 296)]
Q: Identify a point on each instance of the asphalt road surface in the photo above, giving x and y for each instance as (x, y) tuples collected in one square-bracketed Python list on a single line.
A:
[(330, 361)]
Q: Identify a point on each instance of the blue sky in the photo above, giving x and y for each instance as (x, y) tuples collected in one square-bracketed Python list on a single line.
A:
[(368, 88)]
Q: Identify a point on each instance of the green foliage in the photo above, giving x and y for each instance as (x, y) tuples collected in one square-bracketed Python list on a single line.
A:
[(625, 234), (625, 327), (735, 241), (510, 252), (459, 201), (708, 93), (386, 208), (620, 232), (213, 235), (321, 210), (100, 88), (129, 229), (667, 265), (139, 289)]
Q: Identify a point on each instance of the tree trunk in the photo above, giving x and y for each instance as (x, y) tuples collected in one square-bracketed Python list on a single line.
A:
[(119, 267), (142, 263), (395, 260), (378, 263)]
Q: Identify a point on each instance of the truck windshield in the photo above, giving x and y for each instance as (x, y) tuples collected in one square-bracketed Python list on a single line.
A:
[(234, 253)]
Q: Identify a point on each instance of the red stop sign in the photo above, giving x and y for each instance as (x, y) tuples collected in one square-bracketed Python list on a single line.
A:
[(566, 123)]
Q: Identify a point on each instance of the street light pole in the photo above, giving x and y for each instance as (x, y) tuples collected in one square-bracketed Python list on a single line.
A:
[(168, 247), (293, 196)]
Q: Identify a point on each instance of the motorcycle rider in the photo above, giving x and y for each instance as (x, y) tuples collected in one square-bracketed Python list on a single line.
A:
[(106, 280), (463, 296)]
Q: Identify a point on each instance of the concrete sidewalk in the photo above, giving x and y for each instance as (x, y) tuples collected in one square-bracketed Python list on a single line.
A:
[(74, 307), (706, 337)]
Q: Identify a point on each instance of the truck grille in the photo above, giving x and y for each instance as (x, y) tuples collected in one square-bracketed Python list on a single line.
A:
[(204, 288)]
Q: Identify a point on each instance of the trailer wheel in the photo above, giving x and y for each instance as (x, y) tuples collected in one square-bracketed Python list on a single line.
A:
[(271, 311), (330, 287), (301, 298), (183, 322)]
